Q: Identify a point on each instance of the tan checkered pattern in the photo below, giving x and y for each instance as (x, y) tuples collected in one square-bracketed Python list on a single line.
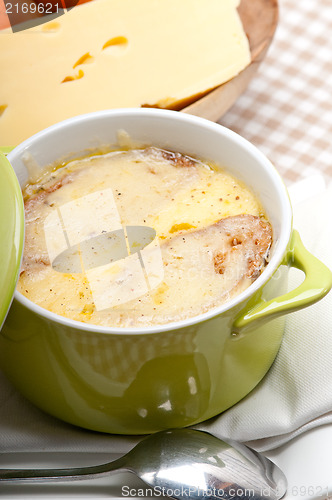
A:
[(287, 109)]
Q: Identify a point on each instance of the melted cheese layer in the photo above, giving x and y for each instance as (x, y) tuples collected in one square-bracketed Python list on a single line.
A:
[(134, 238)]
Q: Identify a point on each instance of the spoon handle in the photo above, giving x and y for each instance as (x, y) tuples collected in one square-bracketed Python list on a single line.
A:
[(54, 475)]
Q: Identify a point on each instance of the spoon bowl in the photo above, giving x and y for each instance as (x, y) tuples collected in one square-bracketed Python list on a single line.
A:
[(182, 463)]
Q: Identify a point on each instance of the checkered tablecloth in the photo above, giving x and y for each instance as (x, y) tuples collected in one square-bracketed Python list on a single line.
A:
[(287, 109)]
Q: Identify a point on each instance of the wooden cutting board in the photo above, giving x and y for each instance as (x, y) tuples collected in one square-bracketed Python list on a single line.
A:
[(259, 18)]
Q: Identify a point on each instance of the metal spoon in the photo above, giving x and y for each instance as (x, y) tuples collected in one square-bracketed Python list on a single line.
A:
[(182, 463)]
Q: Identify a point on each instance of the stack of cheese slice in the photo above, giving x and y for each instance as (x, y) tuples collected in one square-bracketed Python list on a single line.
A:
[(116, 53)]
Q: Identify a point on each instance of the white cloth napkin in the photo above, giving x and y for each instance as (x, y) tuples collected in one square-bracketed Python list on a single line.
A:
[(294, 396)]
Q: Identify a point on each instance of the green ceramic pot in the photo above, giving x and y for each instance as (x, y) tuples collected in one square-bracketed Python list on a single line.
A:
[(138, 380)]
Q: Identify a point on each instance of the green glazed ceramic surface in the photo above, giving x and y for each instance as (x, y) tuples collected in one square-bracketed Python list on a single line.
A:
[(5, 149), (141, 380), (136, 384), (11, 234)]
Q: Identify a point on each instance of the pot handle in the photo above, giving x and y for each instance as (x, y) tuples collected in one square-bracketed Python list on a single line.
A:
[(317, 283)]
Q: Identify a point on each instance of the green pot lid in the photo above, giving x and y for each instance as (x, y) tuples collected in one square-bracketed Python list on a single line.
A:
[(11, 234)]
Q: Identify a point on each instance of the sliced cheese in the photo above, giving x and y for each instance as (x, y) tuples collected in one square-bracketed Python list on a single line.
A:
[(116, 53)]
